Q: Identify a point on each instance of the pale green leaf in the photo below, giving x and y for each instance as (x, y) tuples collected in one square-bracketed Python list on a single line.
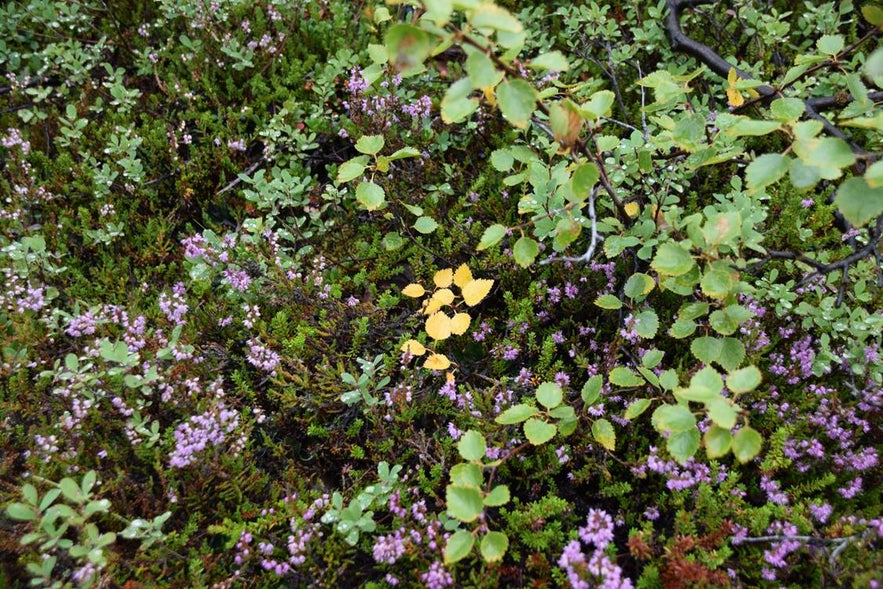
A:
[(369, 144), (492, 236), (493, 546), (472, 446), (683, 445), (591, 390), (517, 100), (552, 60), (425, 225), (370, 195), (516, 414), (539, 432), (609, 302), (744, 380), (498, 496), (858, 202), (717, 442), (673, 418), (525, 251), (746, 444), (352, 169), (459, 546), (464, 502), (549, 395)]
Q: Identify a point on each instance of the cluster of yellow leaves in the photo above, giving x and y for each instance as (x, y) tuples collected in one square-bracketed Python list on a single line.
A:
[(439, 324)]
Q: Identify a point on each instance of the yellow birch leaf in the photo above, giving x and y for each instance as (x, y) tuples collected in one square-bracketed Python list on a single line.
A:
[(462, 276), (443, 278), (413, 347), (437, 362), (734, 97), (431, 305), (438, 326), (444, 295), (475, 290), (460, 323), (631, 209), (413, 290)]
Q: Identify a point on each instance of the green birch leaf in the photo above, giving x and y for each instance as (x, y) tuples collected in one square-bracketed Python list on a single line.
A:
[(625, 377), (482, 72), (498, 496), (638, 286), (459, 546), (549, 395), (717, 442), (591, 390), (492, 236), (609, 302), (673, 418), (464, 503), (369, 144), (352, 169), (744, 380), (646, 324), (517, 100), (525, 251), (746, 444), (672, 260), (787, 110), (636, 408), (493, 546), (732, 353), (516, 414), (552, 60), (858, 202), (683, 445), (766, 169), (472, 446), (425, 225), (830, 44), (539, 432), (456, 106), (407, 47), (466, 474), (497, 18), (370, 195), (722, 412)]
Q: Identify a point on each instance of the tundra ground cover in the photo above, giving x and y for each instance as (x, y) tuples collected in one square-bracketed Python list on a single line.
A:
[(440, 294)]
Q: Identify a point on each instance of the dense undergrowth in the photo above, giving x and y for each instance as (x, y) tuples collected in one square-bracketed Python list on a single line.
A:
[(294, 294)]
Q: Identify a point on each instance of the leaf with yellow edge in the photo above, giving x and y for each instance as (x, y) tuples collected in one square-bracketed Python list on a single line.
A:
[(413, 290), (437, 362), (462, 276), (443, 278), (460, 323), (475, 290), (413, 347), (438, 326)]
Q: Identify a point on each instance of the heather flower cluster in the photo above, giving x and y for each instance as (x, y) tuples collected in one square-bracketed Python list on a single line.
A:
[(585, 570), (213, 428)]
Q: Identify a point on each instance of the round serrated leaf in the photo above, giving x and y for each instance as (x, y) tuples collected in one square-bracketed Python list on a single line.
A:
[(498, 496), (591, 390), (549, 395), (744, 380), (369, 144), (472, 446), (746, 444), (636, 408), (704, 385), (604, 434), (652, 358), (683, 445), (425, 225), (722, 322), (516, 414), (459, 546), (493, 546), (352, 169), (858, 202), (370, 195), (481, 70), (525, 251), (539, 432), (464, 502), (722, 412), (609, 302), (492, 236), (717, 441), (706, 349), (646, 324), (681, 329), (672, 260), (516, 99), (766, 169), (466, 474), (673, 418), (732, 353), (625, 377), (638, 285)]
